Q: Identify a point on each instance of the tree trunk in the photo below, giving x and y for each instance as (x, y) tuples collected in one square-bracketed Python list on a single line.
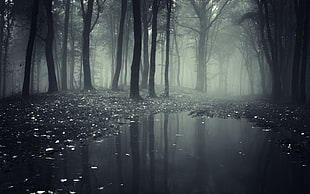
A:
[(145, 71), (153, 50), (2, 22), (32, 34), (72, 54), (39, 58), (169, 5), (127, 37), (178, 59), (52, 87), (65, 47), (201, 70), (32, 67), (9, 23), (135, 66), (297, 52), (87, 18), (262, 72), (119, 46), (305, 57), (112, 46)]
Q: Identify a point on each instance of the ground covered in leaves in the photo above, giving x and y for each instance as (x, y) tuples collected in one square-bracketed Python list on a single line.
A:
[(43, 124)]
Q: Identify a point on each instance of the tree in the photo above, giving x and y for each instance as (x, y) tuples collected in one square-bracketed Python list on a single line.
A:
[(2, 23), (119, 53), (300, 52), (31, 39), (145, 26), (65, 46), (52, 82), (207, 12), (87, 28), (169, 5), (153, 50), (135, 66), (8, 17), (276, 36)]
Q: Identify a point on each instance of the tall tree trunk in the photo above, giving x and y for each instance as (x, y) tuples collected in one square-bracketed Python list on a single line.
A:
[(201, 70), (2, 22), (145, 70), (52, 82), (119, 54), (262, 72), (72, 67), (153, 50), (162, 46), (305, 57), (87, 19), (178, 59), (135, 66), (112, 47), (9, 24), (34, 53), (39, 58), (297, 51), (127, 37), (65, 47), (169, 5), (32, 34), (72, 54)]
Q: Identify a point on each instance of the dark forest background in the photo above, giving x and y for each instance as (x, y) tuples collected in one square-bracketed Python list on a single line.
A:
[(223, 48)]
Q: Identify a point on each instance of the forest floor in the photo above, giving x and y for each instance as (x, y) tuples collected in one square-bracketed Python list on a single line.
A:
[(41, 122)]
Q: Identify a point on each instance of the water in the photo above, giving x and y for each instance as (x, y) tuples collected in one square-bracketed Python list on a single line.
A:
[(167, 153)]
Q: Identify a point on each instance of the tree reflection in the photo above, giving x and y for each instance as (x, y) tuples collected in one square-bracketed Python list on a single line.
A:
[(86, 187), (151, 153), (134, 144), (166, 117), (200, 182), (118, 145)]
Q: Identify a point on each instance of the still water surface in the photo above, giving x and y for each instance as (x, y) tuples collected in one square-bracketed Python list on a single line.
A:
[(168, 153)]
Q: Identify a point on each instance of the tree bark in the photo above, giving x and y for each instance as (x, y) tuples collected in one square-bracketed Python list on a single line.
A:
[(304, 59), (169, 5), (52, 82), (153, 50), (32, 34), (87, 18), (178, 59), (145, 70), (65, 47), (201, 70), (135, 66), (72, 54), (119, 46), (2, 22)]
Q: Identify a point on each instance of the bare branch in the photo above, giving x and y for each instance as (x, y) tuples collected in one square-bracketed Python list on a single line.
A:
[(218, 15), (97, 17), (188, 27), (195, 6)]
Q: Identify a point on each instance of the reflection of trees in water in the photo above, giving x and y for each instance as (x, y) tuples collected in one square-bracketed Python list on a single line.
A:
[(144, 133), (120, 179), (134, 144), (86, 187), (200, 181), (151, 153), (166, 117)]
